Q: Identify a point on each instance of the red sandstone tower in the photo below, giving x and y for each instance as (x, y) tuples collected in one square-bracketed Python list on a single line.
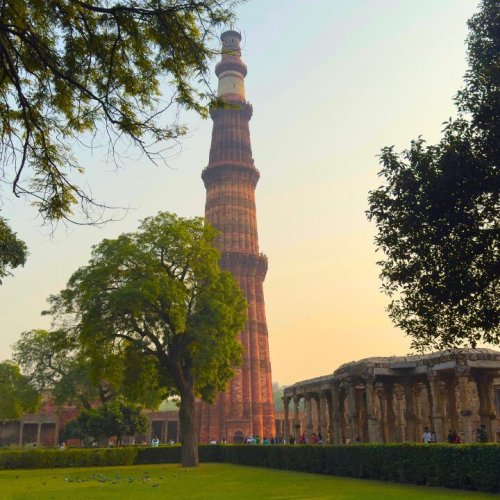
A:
[(230, 179)]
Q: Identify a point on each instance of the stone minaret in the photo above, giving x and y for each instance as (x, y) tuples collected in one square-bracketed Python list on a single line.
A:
[(230, 179)]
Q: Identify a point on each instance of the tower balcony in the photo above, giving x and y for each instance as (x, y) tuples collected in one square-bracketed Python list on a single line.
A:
[(216, 172)]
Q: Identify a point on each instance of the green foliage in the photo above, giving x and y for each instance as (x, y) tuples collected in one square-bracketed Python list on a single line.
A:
[(115, 419), (38, 458), (161, 291), (278, 396), (13, 251), (172, 454), (17, 395), (57, 361), (52, 360), (438, 213), (171, 404), (159, 455), (470, 467), (479, 98), (74, 68)]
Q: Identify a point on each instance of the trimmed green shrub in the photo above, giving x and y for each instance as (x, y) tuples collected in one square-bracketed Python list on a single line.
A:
[(474, 467), (159, 455), (469, 467), (40, 458), (172, 454)]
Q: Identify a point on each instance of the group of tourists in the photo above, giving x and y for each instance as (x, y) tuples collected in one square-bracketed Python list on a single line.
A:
[(314, 439), (155, 442), (481, 434), (429, 436), (256, 440), (453, 437)]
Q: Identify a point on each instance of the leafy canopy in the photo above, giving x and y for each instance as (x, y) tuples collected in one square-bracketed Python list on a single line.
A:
[(161, 290), (13, 251), (80, 68), (115, 419), (17, 395), (438, 212), (56, 361)]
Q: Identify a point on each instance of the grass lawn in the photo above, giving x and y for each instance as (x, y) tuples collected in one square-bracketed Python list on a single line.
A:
[(210, 481)]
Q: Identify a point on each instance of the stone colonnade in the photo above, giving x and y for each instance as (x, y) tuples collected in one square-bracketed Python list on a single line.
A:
[(394, 399), (44, 428), (35, 430)]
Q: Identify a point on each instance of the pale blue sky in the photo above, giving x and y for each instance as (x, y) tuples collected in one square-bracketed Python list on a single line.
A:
[(331, 82)]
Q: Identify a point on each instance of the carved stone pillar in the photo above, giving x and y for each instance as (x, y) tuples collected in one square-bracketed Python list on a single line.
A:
[(296, 419), (336, 434), (437, 405), (286, 426), (391, 417), (380, 392), (330, 417), (487, 414), (409, 411), (344, 414), (419, 421), (465, 418), (309, 419), (451, 404), (315, 412), (374, 427), (353, 412), (400, 425), (323, 420)]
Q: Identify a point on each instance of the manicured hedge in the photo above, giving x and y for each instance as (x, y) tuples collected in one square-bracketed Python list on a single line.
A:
[(40, 458), (472, 467), (172, 454)]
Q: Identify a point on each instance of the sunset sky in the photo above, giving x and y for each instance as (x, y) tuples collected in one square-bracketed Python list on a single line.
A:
[(331, 82)]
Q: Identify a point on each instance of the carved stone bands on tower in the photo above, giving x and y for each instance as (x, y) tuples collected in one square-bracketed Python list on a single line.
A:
[(230, 180)]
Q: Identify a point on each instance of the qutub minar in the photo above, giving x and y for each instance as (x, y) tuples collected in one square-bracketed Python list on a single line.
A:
[(246, 407)]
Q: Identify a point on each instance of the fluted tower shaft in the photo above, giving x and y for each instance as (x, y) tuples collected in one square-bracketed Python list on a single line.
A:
[(230, 179)]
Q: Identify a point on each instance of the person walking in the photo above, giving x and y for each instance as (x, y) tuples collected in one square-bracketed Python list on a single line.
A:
[(426, 436)]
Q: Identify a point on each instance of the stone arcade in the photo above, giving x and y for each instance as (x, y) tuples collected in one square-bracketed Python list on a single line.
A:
[(392, 399)]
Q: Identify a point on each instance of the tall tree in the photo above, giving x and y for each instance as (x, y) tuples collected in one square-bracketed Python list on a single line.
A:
[(72, 68), (56, 361), (100, 73), (278, 396), (17, 394), (161, 290), (13, 251), (438, 212)]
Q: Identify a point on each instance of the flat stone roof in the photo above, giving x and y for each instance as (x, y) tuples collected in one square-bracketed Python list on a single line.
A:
[(410, 364)]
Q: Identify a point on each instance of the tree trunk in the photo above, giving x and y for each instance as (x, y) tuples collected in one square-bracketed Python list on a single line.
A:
[(187, 422)]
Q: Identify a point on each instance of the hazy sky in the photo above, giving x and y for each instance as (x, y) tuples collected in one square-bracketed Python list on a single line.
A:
[(331, 83)]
